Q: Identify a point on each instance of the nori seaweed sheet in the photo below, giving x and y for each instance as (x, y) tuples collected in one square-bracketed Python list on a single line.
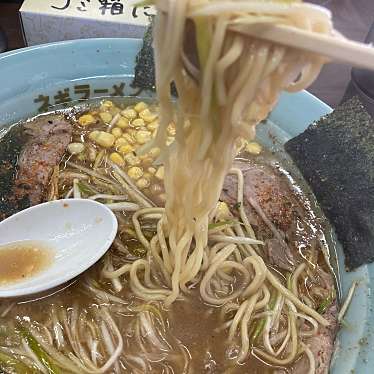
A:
[(10, 148), (336, 157), (145, 72), (145, 75)]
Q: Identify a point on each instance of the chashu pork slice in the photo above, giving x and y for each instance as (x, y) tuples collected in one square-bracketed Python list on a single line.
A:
[(47, 139), (282, 219)]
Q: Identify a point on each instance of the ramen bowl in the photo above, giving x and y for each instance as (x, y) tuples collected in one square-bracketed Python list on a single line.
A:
[(35, 79)]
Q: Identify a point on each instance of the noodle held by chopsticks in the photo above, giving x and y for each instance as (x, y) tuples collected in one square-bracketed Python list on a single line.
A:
[(239, 81)]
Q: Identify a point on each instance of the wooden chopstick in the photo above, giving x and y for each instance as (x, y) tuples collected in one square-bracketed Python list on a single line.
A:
[(337, 49)]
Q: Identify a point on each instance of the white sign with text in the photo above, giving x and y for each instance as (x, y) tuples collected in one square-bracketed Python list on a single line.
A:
[(55, 20)]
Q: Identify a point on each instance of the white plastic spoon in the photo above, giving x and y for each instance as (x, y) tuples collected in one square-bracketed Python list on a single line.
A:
[(76, 232)]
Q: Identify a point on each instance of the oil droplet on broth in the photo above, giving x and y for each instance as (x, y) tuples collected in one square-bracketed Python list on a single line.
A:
[(22, 260)]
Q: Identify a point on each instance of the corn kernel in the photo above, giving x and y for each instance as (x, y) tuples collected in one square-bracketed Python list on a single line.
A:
[(75, 148), (125, 149), (137, 123), (253, 148), (222, 212), (120, 142), (162, 197), (160, 173), (93, 135), (106, 117), (117, 132), (102, 138), (154, 152), (151, 170), (169, 140), (117, 159), (131, 159), (147, 115), (128, 138), (106, 105), (86, 120), (135, 173), (122, 123), (143, 137), (129, 113), (139, 107), (153, 125), (142, 183)]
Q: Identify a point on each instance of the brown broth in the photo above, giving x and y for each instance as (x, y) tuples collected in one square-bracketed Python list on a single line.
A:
[(190, 320), (19, 261), (195, 324)]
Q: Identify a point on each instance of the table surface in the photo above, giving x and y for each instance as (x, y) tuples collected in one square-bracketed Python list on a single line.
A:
[(351, 17)]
